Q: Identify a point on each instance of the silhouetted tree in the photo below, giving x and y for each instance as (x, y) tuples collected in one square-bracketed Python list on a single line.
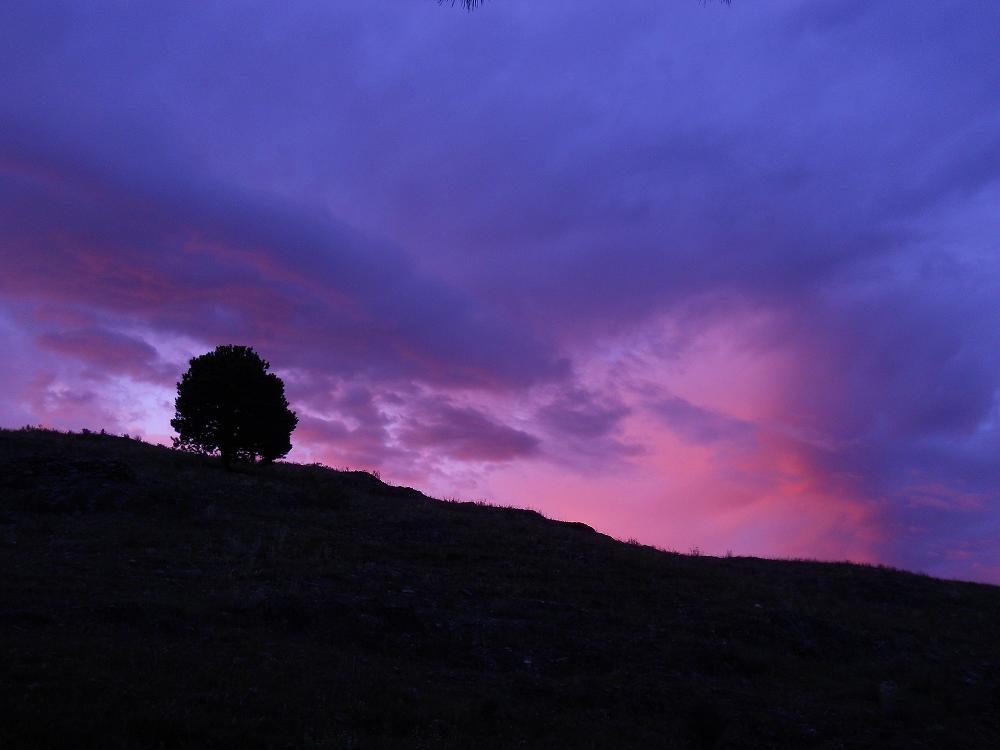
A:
[(228, 403)]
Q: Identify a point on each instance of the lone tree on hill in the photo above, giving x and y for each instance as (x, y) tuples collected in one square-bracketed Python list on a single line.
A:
[(228, 403)]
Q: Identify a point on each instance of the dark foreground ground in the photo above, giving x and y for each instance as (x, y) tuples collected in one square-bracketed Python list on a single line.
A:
[(149, 598)]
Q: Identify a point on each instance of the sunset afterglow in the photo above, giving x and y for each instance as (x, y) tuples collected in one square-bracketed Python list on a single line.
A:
[(706, 276)]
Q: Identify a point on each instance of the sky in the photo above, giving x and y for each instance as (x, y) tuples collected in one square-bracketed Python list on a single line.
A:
[(703, 276)]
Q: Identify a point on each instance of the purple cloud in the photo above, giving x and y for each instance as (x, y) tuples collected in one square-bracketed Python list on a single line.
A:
[(222, 268), (108, 352), (466, 434), (578, 413), (676, 242), (700, 425)]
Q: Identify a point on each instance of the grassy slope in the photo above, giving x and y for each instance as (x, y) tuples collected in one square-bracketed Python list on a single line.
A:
[(149, 598)]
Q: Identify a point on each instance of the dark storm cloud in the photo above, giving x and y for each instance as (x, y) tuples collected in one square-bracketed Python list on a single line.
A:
[(214, 264)]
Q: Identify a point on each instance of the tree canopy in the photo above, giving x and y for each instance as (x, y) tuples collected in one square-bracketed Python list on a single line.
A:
[(228, 403)]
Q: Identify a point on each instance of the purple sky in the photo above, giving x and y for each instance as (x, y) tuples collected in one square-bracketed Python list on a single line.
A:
[(709, 276)]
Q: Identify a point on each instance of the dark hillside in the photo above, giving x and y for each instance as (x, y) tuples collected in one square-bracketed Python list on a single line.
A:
[(149, 598)]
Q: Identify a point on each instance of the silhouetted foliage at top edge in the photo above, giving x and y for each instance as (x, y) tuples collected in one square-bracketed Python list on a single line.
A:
[(228, 403), (470, 4)]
